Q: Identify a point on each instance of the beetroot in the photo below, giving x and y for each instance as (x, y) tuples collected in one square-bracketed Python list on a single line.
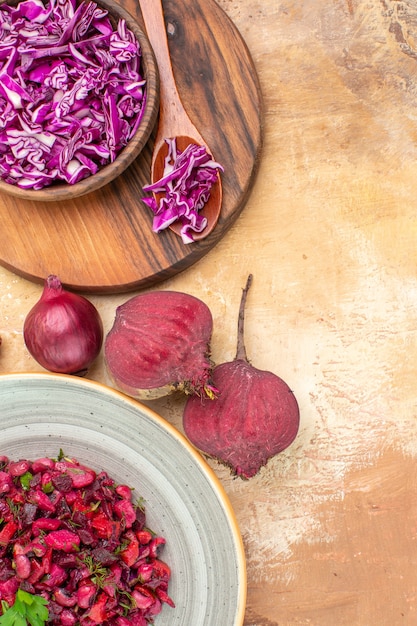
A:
[(160, 343), (254, 417)]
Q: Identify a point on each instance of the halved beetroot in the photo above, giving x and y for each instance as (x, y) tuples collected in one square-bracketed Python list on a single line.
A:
[(254, 416), (160, 343)]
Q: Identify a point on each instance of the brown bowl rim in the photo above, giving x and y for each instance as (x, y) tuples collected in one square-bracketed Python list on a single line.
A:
[(108, 173)]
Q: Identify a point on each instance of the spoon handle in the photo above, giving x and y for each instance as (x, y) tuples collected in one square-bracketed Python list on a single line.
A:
[(173, 118)]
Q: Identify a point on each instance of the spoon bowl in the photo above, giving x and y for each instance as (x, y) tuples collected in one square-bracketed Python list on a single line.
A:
[(211, 209), (174, 121)]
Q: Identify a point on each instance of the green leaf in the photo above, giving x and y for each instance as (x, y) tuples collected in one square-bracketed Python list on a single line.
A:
[(19, 608), (35, 620), (48, 488), (24, 597), (25, 480), (27, 609), (13, 617), (6, 619), (40, 611)]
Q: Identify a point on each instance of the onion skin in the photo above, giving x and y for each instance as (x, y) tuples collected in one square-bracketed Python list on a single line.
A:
[(160, 343), (63, 331), (254, 416)]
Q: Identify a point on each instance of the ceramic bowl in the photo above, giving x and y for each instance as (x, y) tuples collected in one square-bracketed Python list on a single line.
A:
[(65, 191), (185, 502)]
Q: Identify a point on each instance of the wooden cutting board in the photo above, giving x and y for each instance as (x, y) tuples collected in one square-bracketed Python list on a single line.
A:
[(103, 242)]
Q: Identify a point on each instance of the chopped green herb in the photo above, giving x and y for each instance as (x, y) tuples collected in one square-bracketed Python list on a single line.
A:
[(25, 480), (98, 572), (13, 508), (48, 488), (27, 609)]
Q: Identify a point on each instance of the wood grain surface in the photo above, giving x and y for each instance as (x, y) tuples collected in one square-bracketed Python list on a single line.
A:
[(103, 242)]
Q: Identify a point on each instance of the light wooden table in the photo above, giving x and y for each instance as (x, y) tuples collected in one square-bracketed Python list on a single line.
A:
[(330, 235)]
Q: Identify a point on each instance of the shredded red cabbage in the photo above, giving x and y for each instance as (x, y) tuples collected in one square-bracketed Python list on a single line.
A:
[(71, 91), (186, 184)]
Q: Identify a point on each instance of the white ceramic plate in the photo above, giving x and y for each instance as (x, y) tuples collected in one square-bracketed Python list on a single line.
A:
[(185, 502)]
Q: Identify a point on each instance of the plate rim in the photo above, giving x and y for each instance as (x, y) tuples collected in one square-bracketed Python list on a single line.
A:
[(151, 414), (98, 272)]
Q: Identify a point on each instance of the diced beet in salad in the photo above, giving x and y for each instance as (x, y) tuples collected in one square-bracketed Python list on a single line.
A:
[(75, 538)]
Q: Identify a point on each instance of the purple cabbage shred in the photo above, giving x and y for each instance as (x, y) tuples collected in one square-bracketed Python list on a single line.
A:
[(71, 91), (185, 186)]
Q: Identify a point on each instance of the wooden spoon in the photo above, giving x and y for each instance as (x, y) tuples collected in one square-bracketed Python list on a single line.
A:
[(174, 121)]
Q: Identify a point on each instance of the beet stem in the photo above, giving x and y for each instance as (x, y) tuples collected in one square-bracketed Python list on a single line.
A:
[(241, 350)]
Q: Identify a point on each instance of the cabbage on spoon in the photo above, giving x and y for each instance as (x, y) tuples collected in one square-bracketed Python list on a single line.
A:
[(186, 185), (254, 417), (184, 190)]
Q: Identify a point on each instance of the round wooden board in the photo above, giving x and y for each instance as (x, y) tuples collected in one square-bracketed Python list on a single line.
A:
[(103, 242)]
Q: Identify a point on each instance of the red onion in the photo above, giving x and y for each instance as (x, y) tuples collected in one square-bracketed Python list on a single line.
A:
[(63, 331)]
